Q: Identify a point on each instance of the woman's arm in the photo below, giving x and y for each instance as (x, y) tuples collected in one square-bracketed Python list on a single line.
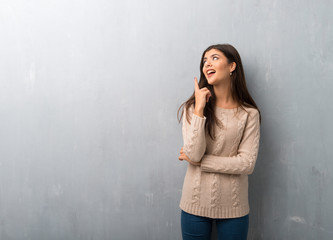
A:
[(244, 161), (194, 138)]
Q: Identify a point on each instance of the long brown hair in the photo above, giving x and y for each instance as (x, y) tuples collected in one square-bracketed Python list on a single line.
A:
[(238, 88)]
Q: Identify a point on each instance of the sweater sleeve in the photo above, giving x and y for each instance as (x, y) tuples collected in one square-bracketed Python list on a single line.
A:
[(244, 161), (194, 138)]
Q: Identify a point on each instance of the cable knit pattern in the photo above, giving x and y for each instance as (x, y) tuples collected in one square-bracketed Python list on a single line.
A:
[(240, 129), (235, 190), (235, 186), (219, 187), (196, 188), (219, 134), (214, 193)]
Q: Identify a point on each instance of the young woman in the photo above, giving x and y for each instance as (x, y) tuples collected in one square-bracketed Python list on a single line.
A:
[(221, 131)]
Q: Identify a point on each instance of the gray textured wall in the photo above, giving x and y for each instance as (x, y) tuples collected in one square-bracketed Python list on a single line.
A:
[(89, 90)]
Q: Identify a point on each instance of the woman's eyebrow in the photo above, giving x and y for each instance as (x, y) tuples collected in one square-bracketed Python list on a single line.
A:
[(211, 56)]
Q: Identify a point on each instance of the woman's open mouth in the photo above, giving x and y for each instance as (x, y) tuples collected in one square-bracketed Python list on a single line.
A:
[(210, 73)]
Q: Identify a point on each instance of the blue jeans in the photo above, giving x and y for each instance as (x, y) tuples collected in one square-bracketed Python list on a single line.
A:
[(196, 227)]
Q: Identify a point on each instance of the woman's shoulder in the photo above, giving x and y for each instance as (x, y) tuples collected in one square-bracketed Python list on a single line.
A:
[(251, 111)]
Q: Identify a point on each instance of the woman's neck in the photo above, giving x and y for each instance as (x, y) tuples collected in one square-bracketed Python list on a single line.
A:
[(224, 96)]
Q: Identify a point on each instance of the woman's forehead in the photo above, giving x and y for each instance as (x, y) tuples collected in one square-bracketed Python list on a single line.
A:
[(212, 52)]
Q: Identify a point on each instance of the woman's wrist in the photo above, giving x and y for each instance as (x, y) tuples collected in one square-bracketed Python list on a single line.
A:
[(198, 112)]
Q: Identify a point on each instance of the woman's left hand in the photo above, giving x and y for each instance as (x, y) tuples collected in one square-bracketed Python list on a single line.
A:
[(183, 156)]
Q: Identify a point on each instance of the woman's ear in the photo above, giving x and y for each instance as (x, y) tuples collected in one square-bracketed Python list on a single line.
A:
[(232, 66)]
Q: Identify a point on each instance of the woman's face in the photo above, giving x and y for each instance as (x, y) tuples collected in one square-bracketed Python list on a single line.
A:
[(216, 67)]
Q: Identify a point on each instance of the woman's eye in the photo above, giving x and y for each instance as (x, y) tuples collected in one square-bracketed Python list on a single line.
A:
[(215, 58)]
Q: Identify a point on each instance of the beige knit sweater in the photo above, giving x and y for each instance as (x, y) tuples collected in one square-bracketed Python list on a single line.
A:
[(219, 187)]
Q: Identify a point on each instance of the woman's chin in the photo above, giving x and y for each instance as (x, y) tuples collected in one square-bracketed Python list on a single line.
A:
[(215, 81), (211, 81)]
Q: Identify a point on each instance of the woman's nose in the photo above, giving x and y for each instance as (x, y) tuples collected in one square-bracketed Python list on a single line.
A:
[(207, 63)]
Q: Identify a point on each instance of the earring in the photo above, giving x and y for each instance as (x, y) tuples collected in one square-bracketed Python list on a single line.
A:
[(230, 73)]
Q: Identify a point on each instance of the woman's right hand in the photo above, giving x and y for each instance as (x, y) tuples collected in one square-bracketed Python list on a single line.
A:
[(183, 156), (201, 97)]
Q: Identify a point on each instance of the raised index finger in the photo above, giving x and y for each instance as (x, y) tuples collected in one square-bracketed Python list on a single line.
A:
[(196, 85)]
